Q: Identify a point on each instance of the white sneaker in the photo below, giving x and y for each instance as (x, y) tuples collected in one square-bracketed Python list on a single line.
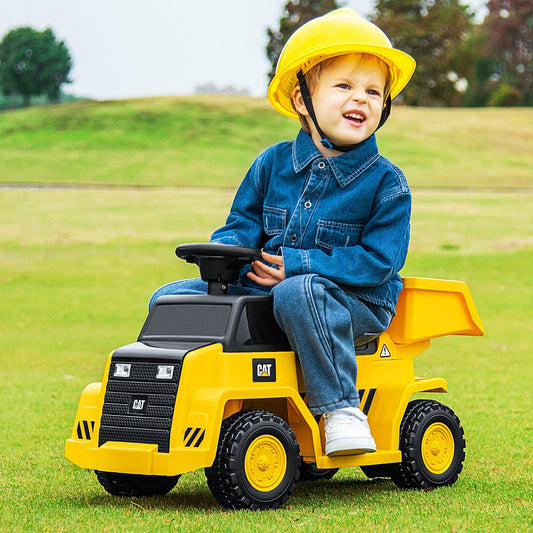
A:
[(347, 432)]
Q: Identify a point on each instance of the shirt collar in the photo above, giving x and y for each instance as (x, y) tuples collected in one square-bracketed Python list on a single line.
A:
[(345, 167)]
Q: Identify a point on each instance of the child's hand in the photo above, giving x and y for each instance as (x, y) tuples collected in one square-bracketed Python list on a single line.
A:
[(266, 275)]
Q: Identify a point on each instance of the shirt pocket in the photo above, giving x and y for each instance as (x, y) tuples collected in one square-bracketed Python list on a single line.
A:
[(274, 220), (332, 234)]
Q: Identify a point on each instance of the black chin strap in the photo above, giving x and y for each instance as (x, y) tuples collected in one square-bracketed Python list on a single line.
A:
[(385, 113), (306, 95)]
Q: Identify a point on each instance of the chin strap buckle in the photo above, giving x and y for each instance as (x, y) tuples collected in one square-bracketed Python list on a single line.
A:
[(326, 144)]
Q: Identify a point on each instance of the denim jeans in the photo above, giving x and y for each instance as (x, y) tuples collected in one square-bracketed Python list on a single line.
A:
[(323, 322)]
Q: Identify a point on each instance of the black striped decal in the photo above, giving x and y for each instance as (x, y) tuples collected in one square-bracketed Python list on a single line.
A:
[(85, 429), (365, 406), (193, 437)]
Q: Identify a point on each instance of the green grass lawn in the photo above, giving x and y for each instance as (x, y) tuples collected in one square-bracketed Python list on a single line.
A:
[(77, 267), (200, 141)]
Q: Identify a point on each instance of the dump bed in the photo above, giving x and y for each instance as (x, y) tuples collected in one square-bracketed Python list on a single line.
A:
[(429, 308)]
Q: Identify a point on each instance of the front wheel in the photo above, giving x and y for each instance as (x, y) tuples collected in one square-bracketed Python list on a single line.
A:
[(432, 444), (257, 463), (135, 484)]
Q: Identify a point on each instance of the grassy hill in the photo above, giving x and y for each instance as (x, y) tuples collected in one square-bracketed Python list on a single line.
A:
[(208, 141)]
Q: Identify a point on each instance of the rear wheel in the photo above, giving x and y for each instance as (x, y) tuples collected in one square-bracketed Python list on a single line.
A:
[(309, 472), (135, 485), (432, 444), (257, 463)]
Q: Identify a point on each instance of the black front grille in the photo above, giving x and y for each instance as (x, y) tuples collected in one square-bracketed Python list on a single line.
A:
[(139, 407)]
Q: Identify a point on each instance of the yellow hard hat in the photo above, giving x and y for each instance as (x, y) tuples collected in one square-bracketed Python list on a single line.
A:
[(339, 32)]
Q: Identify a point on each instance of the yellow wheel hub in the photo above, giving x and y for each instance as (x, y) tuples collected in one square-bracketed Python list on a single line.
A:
[(438, 448), (265, 463)]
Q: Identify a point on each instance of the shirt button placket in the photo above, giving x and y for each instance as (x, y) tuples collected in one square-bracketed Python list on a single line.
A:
[(300, 217)]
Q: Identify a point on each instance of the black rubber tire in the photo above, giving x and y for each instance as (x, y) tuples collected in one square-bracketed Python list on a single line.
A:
[(228, 479), (135, 485), (309, 472), (432, 445)]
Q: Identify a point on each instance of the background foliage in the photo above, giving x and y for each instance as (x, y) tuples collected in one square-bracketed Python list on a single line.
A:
[(434, 33), (459, 62), (33, 63), (509, 29)]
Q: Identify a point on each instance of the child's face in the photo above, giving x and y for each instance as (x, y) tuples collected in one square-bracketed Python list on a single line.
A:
[(348, 100)]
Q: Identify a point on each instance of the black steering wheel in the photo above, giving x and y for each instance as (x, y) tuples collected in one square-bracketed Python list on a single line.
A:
[(219, 264)]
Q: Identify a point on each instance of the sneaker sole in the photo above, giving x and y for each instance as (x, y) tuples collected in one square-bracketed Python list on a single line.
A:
[(350, 447)]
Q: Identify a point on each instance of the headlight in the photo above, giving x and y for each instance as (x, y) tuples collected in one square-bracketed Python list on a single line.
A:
[(165, 372), (122, 370)]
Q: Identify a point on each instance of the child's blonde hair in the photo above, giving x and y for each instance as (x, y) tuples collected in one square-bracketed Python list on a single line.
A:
[(312, 78)]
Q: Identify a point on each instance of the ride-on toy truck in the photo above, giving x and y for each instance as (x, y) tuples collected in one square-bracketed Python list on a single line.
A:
[(212, 383)]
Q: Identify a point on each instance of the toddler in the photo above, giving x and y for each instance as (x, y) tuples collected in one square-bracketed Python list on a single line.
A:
[(329, 212)]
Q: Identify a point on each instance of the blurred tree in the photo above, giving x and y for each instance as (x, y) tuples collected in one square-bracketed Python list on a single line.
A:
[(481, 81), (295, 14), (434, 32), (509, 28), (33, 63)]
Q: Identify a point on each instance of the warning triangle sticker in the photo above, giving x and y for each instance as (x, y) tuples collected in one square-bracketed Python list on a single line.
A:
[(385, 351)]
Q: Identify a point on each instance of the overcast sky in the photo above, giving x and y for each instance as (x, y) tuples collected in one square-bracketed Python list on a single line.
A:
[(129, 48)]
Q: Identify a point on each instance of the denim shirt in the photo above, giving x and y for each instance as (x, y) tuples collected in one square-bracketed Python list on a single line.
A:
[(345, 218)]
